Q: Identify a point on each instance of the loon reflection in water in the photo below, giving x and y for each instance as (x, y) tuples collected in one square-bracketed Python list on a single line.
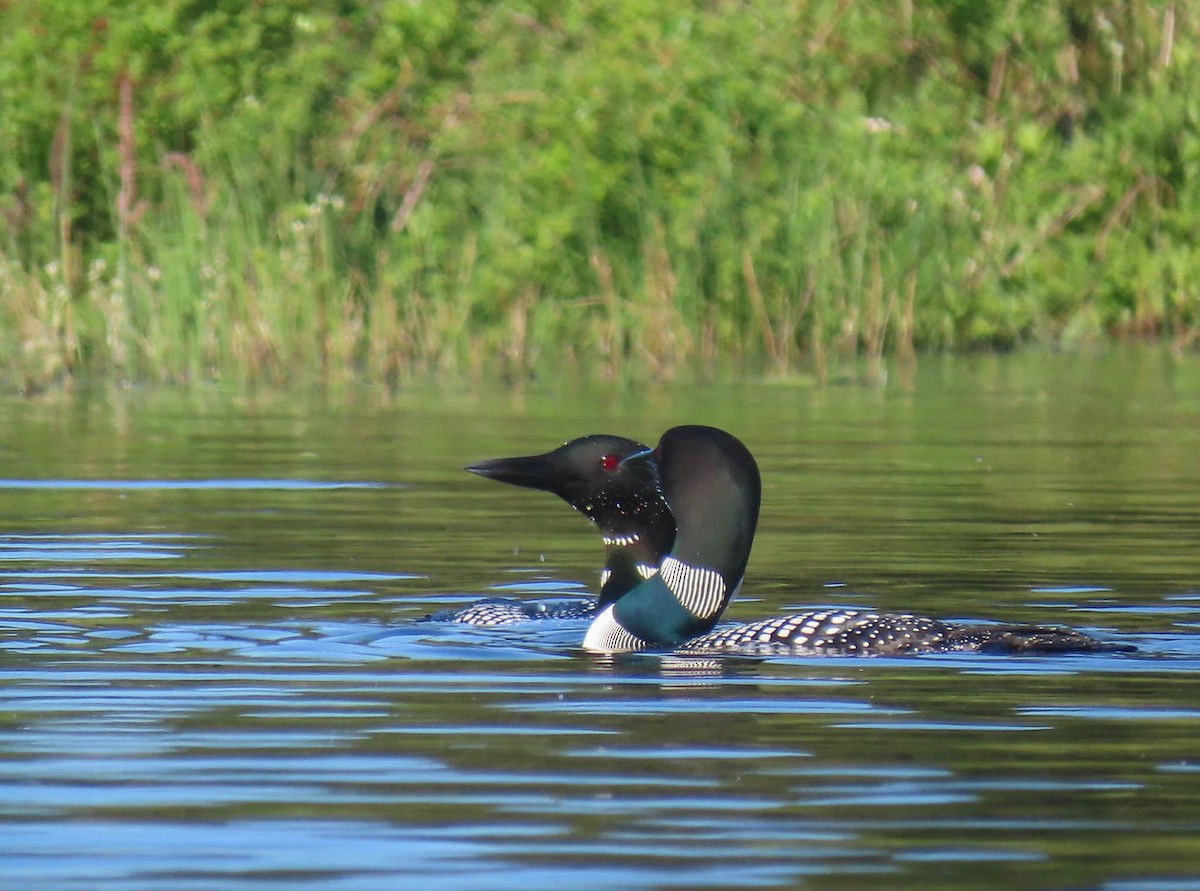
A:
[(678, 523)]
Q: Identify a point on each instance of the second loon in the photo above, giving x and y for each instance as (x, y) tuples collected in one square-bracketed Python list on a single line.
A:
[(711, 486)]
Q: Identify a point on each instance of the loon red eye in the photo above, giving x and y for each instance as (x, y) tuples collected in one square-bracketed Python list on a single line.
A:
[(609, 462)]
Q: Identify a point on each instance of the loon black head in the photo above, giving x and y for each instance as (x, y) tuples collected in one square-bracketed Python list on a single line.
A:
[(712, 486), (622, 497)]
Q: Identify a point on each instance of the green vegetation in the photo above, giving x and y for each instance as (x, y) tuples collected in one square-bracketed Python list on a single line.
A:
[(260, 191)]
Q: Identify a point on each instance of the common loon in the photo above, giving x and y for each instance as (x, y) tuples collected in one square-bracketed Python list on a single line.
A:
[(712, 486), (623, 498)]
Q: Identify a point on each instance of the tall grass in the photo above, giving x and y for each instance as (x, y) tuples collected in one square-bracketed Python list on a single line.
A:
[(293, 190)]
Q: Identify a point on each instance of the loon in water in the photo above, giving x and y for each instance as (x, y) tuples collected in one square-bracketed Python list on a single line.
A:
[(712, 486), (594, 476), (689, 508)]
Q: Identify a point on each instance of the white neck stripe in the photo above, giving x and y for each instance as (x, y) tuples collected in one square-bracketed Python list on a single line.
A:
[(700, 590), (607, 635)]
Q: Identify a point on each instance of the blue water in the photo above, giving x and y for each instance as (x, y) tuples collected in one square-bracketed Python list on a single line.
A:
[(212, 676)]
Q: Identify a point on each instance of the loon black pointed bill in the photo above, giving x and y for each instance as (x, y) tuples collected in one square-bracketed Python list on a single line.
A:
[(530, 471)]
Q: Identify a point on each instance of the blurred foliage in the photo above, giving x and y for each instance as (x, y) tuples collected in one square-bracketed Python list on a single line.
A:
[(400, 187)]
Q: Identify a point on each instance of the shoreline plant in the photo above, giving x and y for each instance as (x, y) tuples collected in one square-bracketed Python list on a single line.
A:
[(261, 192)]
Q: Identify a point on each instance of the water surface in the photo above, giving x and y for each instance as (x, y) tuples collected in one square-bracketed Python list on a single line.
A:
[(212, 676)]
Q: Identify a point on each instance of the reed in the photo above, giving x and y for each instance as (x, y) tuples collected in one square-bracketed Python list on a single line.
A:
[(611, 188)]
